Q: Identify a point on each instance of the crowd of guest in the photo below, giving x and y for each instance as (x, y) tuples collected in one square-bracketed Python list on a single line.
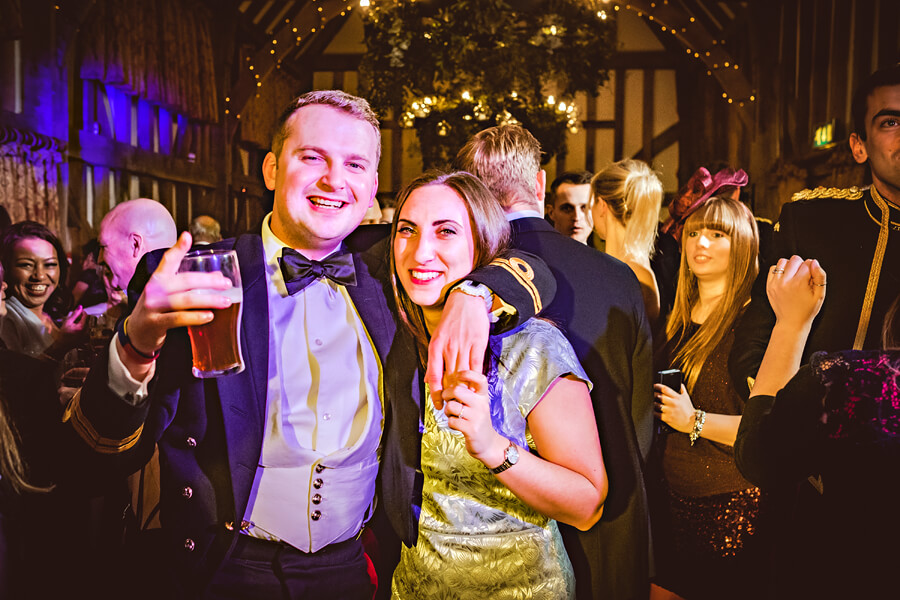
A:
[(462, 403)]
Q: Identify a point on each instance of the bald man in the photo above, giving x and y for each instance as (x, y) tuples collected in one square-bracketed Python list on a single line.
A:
[(205, 230), (127, 232)]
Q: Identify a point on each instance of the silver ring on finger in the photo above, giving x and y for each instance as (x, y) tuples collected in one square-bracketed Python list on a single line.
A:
[(461, 411), (777, 271)]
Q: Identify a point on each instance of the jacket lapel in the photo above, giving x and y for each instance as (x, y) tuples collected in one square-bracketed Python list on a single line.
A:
[(369, 296), (243, 396)]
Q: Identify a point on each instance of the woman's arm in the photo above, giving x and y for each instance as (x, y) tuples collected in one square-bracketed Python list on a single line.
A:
[(796, 290), (677, 411), (568, 481)]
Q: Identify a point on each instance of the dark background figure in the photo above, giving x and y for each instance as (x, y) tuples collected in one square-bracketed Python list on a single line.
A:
[(205, 230), (5, 220), (599, 307), (569, 207), (88, 289), (833, 426), (851, 234)]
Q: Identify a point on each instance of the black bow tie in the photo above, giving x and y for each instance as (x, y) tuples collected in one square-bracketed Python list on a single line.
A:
[(299, 271)]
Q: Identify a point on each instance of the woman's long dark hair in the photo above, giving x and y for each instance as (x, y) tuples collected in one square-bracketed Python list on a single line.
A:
[(60, 302)]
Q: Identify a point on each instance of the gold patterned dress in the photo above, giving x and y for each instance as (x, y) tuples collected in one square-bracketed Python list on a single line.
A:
[(477, 540)]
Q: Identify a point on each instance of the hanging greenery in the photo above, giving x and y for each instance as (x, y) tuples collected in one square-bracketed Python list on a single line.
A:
[(452, 68)]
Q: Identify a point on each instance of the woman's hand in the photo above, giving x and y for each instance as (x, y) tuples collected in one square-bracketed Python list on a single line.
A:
[(73, 331), (468, 410), (796, 290), (675, 409)]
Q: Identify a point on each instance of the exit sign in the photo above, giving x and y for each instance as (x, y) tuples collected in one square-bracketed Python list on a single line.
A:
[(825, 135)]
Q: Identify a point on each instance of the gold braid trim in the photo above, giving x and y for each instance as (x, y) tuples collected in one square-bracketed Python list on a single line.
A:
[(875, 272), (850, 193), (86, 431), (523, 273)]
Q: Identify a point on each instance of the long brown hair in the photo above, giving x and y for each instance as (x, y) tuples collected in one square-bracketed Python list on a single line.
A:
[(490, 234), (734, 219)]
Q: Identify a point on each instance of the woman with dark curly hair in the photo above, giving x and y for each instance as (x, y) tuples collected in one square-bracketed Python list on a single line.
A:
[(38, 302)]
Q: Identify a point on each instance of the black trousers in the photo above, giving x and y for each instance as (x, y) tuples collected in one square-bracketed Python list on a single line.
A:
[(259, 569)]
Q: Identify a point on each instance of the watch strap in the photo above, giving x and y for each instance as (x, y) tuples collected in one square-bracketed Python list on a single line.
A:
[(507, 463)]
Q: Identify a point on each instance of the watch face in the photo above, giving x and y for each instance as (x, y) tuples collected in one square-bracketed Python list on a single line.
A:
[(512, 454)]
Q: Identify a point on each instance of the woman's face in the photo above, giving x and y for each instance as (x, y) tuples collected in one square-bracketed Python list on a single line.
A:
[(434, 247), (34, 272), (708, 252)]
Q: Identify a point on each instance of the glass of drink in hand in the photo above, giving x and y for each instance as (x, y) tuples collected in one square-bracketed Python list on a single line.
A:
[(216, 346)]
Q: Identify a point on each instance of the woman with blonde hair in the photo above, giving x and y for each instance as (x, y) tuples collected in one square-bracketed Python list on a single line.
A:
[(507, 451), (705, 539), (627, 196)]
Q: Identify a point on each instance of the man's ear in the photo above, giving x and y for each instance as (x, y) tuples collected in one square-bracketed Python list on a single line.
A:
[(541, 185), (269, 169), (137, 245), (858, 148)]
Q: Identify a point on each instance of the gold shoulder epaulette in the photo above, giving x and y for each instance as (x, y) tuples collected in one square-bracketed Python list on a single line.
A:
[(850, 193)]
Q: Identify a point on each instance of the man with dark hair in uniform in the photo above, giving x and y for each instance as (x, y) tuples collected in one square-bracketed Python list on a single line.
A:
[(852, 232), (854, 235)]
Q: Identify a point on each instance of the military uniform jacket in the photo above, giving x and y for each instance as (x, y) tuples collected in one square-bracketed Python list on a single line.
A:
[(856, 238)]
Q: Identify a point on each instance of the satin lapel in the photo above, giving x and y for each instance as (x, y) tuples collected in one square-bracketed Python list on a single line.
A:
[(368, 297), (243, 396)]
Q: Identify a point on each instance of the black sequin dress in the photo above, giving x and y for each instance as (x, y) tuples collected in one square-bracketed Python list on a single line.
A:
[(707, 514)]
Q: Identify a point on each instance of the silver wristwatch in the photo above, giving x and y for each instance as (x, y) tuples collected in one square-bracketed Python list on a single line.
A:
[(479, 290), (511, 457)]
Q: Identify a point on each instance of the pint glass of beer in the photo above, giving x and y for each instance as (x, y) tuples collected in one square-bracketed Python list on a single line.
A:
[(216, 346)]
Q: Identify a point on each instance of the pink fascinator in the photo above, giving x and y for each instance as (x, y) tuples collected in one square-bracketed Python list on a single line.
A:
[(699, 188)]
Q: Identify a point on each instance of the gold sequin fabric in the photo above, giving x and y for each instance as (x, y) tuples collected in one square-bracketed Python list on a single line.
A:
[(719, 524), (477, 540)]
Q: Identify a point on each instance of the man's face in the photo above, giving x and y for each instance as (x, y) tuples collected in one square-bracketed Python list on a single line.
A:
[(882, 144), (118, 260), (325, 179), (570, 212)]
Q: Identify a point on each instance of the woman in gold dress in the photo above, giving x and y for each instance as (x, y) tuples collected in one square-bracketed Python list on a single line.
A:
[(506, 452)]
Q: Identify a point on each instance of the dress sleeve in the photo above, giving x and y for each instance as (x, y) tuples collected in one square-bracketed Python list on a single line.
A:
[(537, 357)]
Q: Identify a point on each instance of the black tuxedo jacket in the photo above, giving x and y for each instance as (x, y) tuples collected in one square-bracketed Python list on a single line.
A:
[(210, 432), (599, 308)]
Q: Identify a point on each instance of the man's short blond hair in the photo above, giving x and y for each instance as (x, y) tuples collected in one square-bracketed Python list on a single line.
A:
[(507, 158)]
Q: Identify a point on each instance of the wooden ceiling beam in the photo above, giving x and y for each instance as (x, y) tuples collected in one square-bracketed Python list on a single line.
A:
[(674, 19), (308, 21)]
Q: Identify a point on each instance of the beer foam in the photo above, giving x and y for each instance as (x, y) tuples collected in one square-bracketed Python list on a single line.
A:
[(235, 294)]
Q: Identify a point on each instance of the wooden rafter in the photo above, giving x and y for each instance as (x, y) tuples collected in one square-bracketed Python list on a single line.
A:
[(290, 34), (701, 38)]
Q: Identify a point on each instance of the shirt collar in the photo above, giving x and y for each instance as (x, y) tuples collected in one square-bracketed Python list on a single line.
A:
[(522, 214), (272, 248)]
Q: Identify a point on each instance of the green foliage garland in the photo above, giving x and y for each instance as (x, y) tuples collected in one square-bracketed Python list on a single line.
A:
[(452, 68)]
